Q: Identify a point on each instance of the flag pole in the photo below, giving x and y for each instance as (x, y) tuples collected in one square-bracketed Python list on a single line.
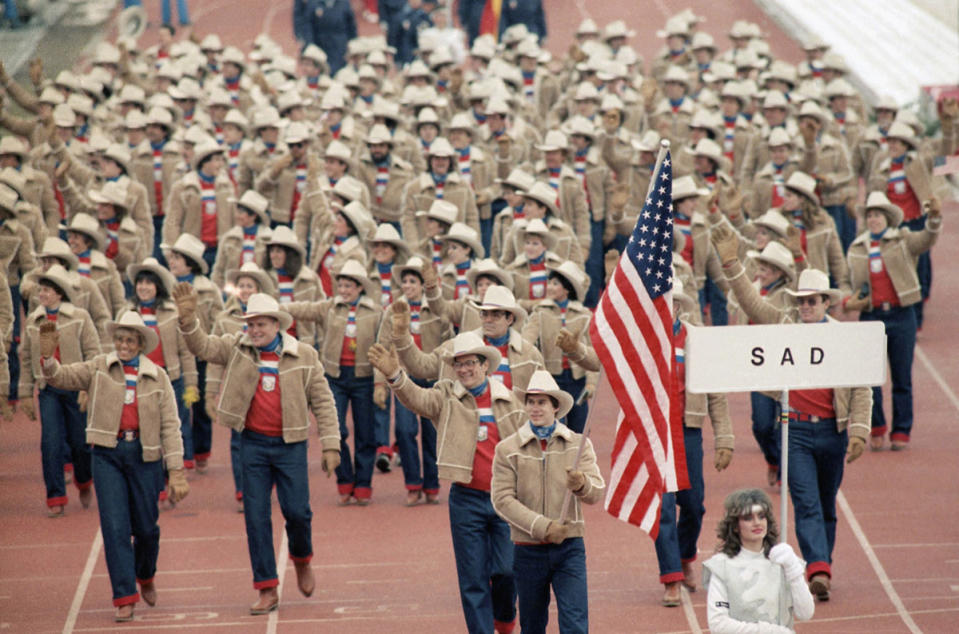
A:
[(663, 149), (783, 464)]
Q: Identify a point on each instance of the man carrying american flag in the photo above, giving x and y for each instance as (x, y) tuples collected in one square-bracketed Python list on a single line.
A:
[(639, 333)]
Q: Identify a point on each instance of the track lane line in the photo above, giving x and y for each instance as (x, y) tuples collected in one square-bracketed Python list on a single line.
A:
[(876, 565), (688, 610), (271, 623), (938, 377), (84, 582)]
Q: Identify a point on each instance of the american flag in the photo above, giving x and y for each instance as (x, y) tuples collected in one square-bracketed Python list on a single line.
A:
[(632, 334)]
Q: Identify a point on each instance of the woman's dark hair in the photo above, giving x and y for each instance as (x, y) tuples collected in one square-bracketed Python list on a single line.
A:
[(412, 272), (737, 504), (350, 225), (464, 245), (56, 287), (566, 284), (203, 161), (293, 262), (256, 216), (152, 277), (491, 278)]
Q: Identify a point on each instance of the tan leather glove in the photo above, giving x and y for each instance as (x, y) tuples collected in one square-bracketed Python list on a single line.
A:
[(793, 241), (49, 339), (431, 278), (36, 72), (380, 394), (400, 320), (185, 298), (808, 129), (610, 262), (575, 480), (855, 449), (83, 399), (726, 243), (384, 359), (177, 486), (619, 197), (567, 341), (556, 533), (932, 207), (723, 458), (281, 164), (331, 460)]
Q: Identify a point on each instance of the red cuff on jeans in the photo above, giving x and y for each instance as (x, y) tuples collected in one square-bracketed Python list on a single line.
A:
[(269, 583), (671, 577), (816, 567), (504, 628), (127, 600), (58, 501), (878, 431), (301, 560)]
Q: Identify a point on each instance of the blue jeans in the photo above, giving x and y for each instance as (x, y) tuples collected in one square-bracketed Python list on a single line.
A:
[(181, 10), (356, 393), (576, 419), (202, 435), (845, 226), (158, 227), (562, 566), (766, 427), (484, 560), (408, 425), (381, 429), (676, 543), (236, 442), (62, 422), (13, 358), (186, 429), (923, 269), (127, 502), (900, 345), (595, 268), (711, 295), (269, 461), (209, 256), (817, 455), (486, 233)]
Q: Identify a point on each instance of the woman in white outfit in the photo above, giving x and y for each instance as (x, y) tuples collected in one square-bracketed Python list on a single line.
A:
[(754, 584)]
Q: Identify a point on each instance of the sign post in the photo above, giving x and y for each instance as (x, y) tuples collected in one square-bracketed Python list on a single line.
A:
[(783, 357)]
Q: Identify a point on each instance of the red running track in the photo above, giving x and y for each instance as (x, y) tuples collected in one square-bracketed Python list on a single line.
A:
[(390, 568)]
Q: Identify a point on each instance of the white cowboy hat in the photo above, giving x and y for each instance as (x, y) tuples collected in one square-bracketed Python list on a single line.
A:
[(470, 343), (133, 321), (263, 305), (778, 255), (574, 275), (501, 298), (542, 382), (461, 232), (878, 200), (814, 282), (190, 247), (489, 268), (357, 272), (153, 266), (253, 271)]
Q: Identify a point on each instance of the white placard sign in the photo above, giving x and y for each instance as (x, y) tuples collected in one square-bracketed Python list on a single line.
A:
[(785, 356)]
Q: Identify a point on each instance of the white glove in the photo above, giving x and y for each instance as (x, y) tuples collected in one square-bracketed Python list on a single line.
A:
[(785, 556)]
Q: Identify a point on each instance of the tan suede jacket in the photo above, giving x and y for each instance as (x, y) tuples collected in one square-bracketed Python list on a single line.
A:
[(529, 483), (103, 378), (452, 409), (303, 387)]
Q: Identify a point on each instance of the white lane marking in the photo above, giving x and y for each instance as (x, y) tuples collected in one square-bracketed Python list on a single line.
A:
[(876, 565), (81, 592), (937, 377), (688, 610), (954, 588), (271, 13), (271, 623), (920, 545)]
